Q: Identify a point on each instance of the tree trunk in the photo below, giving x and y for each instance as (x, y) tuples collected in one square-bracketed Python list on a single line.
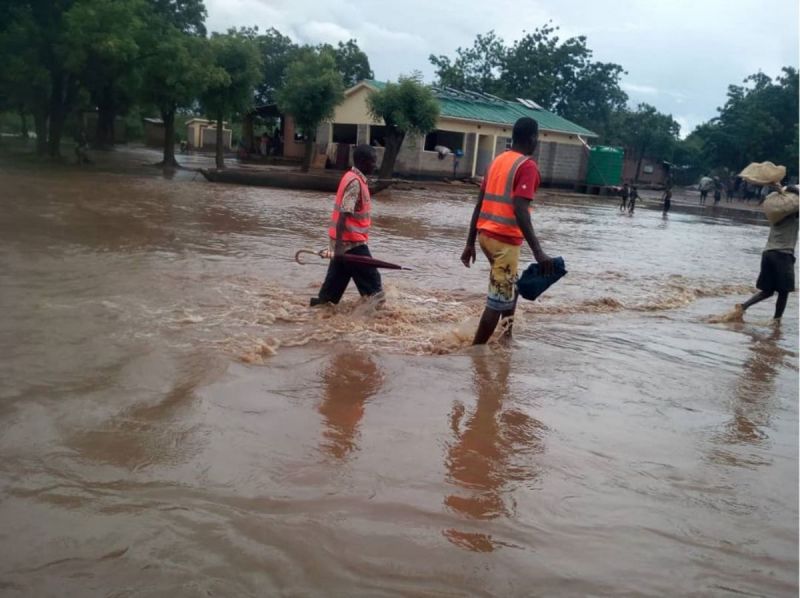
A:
[(248, 133), (40, 126), (168, 117), (64, 90), (106, 114), (309, 154), (23, 124), (394, 141), (57, 115), (220, 137)]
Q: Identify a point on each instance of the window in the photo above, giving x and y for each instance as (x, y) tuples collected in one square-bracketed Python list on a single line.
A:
[(345, 133), (450, 139), (648, 169), (377, 135)]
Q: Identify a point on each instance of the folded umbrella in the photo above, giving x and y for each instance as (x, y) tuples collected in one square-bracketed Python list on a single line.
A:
[(354, 259), (532, 283)]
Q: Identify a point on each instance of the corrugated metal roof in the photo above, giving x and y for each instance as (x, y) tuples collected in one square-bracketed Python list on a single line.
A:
[(483, 107)]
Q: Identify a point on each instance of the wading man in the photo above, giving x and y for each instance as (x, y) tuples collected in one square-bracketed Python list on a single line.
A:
[(349, 233), (501, 221), (777, 265)]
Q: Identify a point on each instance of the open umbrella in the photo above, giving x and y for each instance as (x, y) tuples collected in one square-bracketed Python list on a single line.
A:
[(354, 259)]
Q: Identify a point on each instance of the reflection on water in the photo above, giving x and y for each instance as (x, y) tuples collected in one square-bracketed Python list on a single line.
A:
[(492, 449), (350, 379), (753, 400)]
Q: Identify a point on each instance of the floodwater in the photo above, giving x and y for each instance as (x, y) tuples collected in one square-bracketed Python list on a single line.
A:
[(174, 421)]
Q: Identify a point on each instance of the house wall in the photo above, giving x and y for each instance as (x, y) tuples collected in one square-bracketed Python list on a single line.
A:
[(657, 177), (563, 154)]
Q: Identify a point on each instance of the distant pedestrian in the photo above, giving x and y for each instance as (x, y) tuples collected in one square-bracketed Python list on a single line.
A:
[(706, 184), (717, 194), (730, 190), (623, 194), (667, 200), (632, 200)]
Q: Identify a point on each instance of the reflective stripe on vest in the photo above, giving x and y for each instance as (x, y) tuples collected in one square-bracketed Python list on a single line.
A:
[(497, 209), (356, 224)]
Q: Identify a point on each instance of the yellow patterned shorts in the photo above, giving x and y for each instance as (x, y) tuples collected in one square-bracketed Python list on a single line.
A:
[(504, 260)]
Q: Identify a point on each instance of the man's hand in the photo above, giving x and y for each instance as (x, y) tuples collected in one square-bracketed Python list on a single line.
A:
[(468, 255), (546, 266)]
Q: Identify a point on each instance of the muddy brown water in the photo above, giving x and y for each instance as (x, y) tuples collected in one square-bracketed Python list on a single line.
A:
[(174, 421)]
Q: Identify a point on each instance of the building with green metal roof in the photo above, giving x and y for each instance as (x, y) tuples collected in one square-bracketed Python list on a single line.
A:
[(473, 127)]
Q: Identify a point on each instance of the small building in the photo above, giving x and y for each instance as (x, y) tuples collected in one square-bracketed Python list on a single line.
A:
[(475, 127), (153, 132), (202, 134), (654, 172)]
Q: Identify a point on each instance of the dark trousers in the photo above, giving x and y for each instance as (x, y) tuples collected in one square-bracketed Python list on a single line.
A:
[(367, 278)]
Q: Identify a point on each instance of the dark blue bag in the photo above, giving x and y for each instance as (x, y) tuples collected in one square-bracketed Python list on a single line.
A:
[(532, 284)]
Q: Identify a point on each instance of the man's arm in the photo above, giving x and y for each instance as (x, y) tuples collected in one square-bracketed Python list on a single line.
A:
[(523, 216), (468, 255)]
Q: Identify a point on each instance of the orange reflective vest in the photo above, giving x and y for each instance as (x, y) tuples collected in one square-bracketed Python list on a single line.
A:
[(497, 210), (356, 225)]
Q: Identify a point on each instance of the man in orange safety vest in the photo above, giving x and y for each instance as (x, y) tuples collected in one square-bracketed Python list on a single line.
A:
[(501, 221)]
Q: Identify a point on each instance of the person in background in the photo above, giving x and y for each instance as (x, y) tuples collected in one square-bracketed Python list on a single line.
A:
[(777, 265), (623, 194), (730, 190), (667, 200), (632, 200), (717, 192), (349, 233), (501, 221)]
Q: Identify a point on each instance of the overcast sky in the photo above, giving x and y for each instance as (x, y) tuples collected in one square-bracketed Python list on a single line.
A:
[(680, 55)]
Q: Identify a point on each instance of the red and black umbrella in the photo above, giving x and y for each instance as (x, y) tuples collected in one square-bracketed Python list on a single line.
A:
[(354, 259)]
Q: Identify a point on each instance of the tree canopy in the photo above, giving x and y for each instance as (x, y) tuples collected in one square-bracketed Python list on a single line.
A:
[(406, 107), (557, 74), (312, 90)]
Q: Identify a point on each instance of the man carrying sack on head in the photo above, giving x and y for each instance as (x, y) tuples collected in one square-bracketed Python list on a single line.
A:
[(501, 221), (777, 259)]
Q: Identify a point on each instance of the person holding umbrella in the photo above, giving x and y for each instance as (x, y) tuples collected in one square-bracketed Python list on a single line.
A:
[(349, 233)]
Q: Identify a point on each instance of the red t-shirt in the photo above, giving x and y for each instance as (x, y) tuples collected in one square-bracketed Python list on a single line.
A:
[(526, 183)]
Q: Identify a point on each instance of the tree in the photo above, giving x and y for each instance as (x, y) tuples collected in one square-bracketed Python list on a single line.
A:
[(758, 122), (187, 16), (175, 72), (237, 70), (645, 132), (475, 68), (24, 81), (312, 90), (351, 62), (277, 52), (406, 107), (102, 42)]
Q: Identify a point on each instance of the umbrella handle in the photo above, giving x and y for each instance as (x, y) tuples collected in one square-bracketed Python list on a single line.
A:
[(321, 253)]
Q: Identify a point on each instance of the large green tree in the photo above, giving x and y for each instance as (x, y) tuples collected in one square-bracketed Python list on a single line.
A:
[(232, 81), (175, 71), (406, 107), (103, 42), (24, 80), (310, 94), (758, 122)]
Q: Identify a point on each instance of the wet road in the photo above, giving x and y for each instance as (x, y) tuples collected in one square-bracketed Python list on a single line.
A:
[(175, 421)]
